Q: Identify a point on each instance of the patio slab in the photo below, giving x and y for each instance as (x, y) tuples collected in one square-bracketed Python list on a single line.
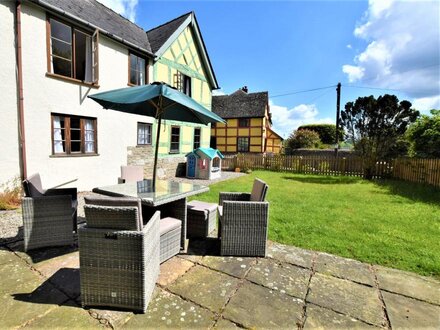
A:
[(71, 316), (23, 304), (167, 310), (407, 313), (205, 287), (323, 318), (234, 266), (172, 269), (349, 269), (291, 254), (355, 300), (408, 284), (285, 278), (254, 306)]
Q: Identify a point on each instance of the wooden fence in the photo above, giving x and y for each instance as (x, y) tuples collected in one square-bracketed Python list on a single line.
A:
[(414, 170)]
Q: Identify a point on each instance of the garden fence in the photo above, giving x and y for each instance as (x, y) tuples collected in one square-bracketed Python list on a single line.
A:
[(414, 170)]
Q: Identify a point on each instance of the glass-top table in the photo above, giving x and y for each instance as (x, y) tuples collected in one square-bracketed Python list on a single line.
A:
[(166, 191)]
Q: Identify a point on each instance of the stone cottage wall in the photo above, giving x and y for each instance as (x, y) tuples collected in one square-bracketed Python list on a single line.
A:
[(167, 168)]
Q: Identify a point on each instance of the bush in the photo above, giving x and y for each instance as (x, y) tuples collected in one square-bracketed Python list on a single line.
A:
[(424, 136), (10, 194), (327, 132), (303, 138)]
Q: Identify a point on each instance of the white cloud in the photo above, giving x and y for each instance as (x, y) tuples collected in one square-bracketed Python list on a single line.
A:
[(403, 50), (126, 8), (349, 46), (354, 73), (426, 103), (286, 120)]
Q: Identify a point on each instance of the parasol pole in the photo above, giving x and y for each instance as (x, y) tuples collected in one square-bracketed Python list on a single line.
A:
[(156, 152)]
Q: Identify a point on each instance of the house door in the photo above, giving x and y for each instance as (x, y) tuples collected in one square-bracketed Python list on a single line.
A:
[(191, 167)]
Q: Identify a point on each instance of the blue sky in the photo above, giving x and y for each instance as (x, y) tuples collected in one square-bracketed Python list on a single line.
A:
[(290, 46)]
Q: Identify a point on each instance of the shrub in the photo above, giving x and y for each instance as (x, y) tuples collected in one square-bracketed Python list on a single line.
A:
[(303, 138), (10, 194), (327, 132), (424, 136)]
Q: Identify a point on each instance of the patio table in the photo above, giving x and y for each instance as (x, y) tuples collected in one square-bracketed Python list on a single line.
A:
[(169, 197)]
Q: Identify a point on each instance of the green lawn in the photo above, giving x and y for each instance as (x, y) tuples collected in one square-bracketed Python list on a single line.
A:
[(390, 223)]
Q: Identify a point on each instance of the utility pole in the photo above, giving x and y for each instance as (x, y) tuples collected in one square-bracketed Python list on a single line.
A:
[(338, 116)]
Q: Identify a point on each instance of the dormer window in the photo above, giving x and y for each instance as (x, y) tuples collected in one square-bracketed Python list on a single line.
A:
[(138, 69), (72, 53)]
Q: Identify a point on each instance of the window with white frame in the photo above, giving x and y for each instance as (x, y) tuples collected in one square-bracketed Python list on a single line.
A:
[(73, 135), (144, 134)]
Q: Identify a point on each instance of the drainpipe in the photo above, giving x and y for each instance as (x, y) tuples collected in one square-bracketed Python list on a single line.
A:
[(19, 72)]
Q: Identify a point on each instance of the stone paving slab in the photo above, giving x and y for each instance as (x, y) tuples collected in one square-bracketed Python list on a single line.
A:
[(235, 266), (291, 254), (409, 284), (167, 310), (110, 317), (349, 269), (20, 305), (205, 287), (285, 278), (72, 316), (323, 318), (407, 313), (173, 268), (17, 276), (254, 306), (225, 324), (356, 300)]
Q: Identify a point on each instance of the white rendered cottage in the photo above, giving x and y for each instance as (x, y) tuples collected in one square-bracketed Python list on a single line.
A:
[(54, 53)]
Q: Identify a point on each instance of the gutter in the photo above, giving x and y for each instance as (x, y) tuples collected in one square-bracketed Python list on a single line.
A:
[(19, 73), (92, 26)]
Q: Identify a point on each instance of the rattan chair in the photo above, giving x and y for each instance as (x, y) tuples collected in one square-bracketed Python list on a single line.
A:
[(170, 228), (33, 188), (47, 221), (243, 220), (119, 262)]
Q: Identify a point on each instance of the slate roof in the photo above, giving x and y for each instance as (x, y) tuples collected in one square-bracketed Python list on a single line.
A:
[(96, 13), (240, 104), (160, 34)]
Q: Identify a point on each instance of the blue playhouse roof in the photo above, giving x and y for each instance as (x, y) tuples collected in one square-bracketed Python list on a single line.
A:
[(209, 152)]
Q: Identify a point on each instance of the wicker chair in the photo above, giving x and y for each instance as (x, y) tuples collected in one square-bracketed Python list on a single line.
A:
[(170, 228), (119, 262), (244, 221), (33, 188), (47, 221), (131, 173)]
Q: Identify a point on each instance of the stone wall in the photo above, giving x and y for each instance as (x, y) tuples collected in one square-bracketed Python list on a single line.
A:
[(168, 167)]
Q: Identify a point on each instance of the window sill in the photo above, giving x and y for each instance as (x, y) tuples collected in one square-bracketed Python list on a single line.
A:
[(174, 152), (143, 145), (72, 155), (72, 80)]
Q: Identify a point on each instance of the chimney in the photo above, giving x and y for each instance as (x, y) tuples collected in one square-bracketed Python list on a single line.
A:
[(244, 89)]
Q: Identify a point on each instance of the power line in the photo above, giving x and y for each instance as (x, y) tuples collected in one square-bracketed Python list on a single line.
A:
[(303, 91), (369, 87)]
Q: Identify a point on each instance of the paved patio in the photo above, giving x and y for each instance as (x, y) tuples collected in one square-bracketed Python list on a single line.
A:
[(292, 288)]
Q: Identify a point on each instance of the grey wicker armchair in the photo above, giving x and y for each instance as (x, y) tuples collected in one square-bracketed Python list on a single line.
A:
[(119, 262), (33, 188), (243, 220), (47, 221), (170, 228)]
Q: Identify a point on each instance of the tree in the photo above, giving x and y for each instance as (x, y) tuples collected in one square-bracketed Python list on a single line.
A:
[(424, 136), (375, 127), (327, 132), (303, 138)]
